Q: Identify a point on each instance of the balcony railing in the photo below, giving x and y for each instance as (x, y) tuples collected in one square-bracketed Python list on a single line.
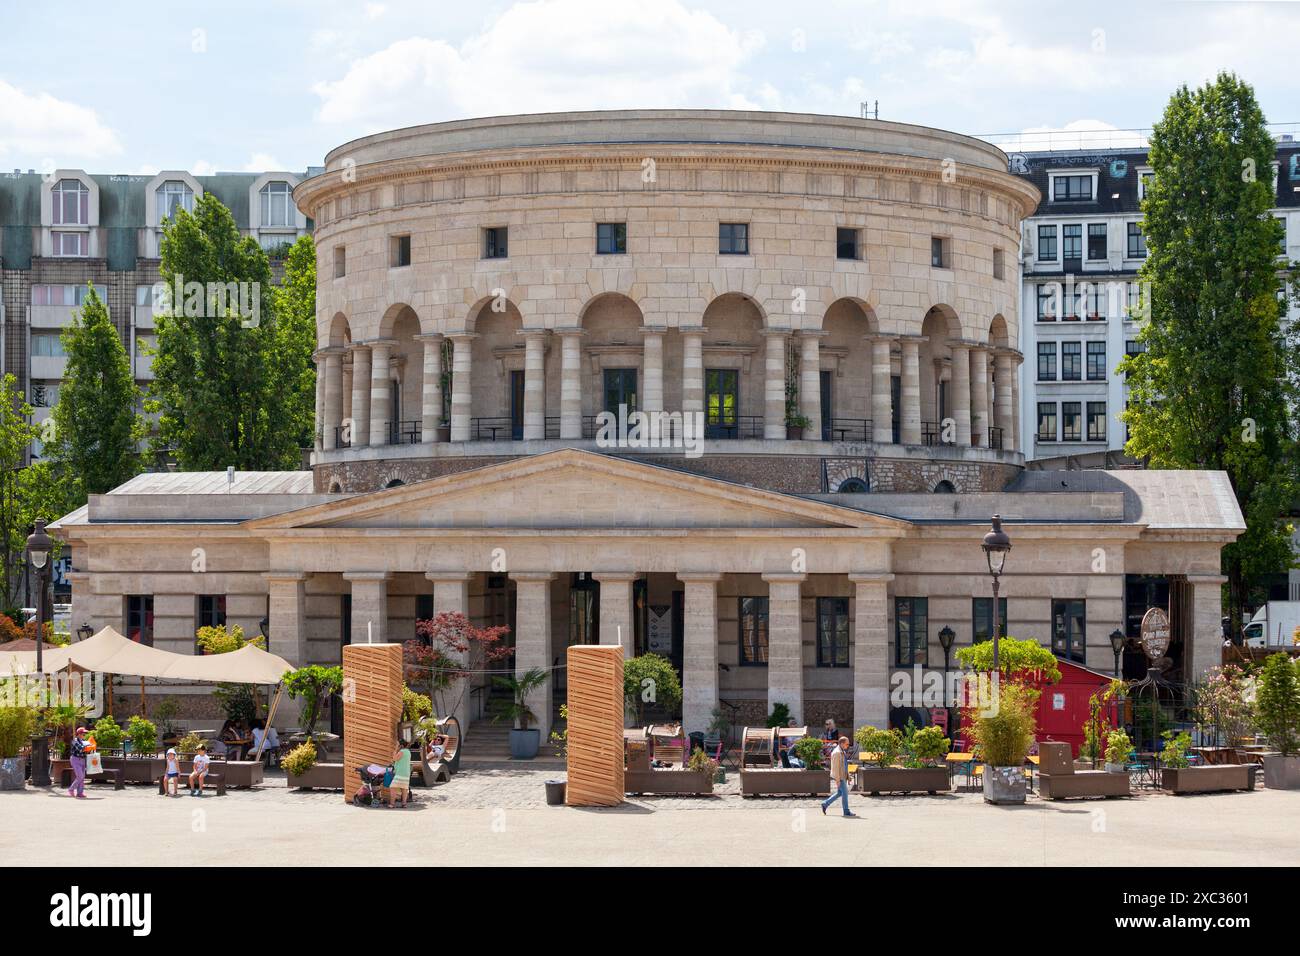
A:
[(847, 430), (494, 429), (588, 427), (742, 426), (404, 433), (340, 439), (995, 437), (930, 433)]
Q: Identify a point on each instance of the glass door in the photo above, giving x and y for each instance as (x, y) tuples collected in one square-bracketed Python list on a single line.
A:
[(517, 404), (721, 401), (828, 406), (620, 389)]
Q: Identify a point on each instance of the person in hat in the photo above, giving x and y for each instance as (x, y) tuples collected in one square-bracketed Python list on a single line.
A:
[(78, 759), (200, 772)]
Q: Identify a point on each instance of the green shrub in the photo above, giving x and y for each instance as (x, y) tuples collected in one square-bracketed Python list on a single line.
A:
[(651, 679), (809, 750), (885, 744), (560, 738), (1277, 703), (108, 734), (780, 715), (1004, 734), (1174, 753), (926, 746), (17, 724), (143, 734), (701, 762), (165, 712), (1118, 747), (415, 706), (300, 759), (313, 684), (1017, 659), (190, 743)]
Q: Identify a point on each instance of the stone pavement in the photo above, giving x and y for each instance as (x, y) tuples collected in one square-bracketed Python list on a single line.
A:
[(495, 814)]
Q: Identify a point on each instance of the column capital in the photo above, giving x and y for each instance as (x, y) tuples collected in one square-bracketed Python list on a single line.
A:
[(381, 343), (286, 576), (615, 577), (451, 577), (702, 577), (784, 577), (880, 337), (969, 344), (429, 337), (871, 577), (462, 336), (533, 333), (781, 332), (536, 576), (367, 575), (1206, 579), (653, 329), (327, 351), (691, 329), (813, 334), (913, 339), (570, 331), (358, 347)]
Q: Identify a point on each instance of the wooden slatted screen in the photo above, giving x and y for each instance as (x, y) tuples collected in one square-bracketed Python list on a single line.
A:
[(372, 708), (595, 739)]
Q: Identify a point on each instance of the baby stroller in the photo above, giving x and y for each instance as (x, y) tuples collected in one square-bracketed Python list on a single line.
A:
[(373, 778)]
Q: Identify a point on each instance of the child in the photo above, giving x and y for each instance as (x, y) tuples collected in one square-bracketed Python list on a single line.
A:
[(401, 785), (200, 771), (173, 773)]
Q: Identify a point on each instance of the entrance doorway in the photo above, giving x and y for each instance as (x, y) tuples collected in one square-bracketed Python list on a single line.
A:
[(517, 404), (721, 398), (620, 389), (828, 406)]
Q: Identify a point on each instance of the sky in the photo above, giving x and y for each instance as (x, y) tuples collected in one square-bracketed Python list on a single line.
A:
[(135, 87)]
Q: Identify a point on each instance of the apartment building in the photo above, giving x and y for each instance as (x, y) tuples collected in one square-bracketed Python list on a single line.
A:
[(1082, 305)]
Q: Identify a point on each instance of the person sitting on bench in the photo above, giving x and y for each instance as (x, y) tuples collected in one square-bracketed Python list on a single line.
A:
[(200, 771), (263, 733)]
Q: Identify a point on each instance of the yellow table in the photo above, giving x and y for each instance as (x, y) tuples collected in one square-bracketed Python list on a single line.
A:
[(966, 760)]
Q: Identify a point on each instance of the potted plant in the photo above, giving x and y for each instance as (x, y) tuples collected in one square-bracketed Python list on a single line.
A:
[(142, 764), (313, 685), (794, 425), (444, 430), (415, 708), (902, 761), (650, 679), (525, 741), (1223, 712), (780, 715), (16, 726), (560, 741), (1179, 776), (165, 713), (1277, 701), (705, 767), (1003, 735), (1118, 748)]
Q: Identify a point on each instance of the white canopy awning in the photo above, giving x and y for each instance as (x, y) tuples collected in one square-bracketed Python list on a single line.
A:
[(108, 652)]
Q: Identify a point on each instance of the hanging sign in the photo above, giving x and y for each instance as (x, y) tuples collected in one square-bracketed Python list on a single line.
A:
[(659, 636), (1155, 633)]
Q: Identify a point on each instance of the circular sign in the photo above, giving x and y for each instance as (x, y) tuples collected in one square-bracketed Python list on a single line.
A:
[(1155, 633)]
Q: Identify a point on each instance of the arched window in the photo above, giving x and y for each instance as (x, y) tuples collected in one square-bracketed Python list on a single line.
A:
[(396, 482), (71, 203), (277, 205), (336, 488), (173, 195), (853, 486), (945, 488)]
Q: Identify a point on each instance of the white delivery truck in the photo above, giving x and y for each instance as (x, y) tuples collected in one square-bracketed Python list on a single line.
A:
[(1273, 625)]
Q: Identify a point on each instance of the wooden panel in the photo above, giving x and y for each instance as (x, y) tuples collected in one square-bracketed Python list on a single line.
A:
[(372, 707), (595, 738)]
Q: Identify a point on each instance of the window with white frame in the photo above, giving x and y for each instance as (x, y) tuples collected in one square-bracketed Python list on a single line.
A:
[(1145, 178), (1049, 301), (1137, 243), (173, 195), (65, 294), (1072, 187), (1047, 243), (277, 205), (71, 203), (1096, 241), (1096, 368), (70, 243)]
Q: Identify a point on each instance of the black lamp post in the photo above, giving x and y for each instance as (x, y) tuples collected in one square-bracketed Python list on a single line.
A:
[(38, 556), (996, 546), (264, 625), (85, 632), (946, 637), (1117, 645)]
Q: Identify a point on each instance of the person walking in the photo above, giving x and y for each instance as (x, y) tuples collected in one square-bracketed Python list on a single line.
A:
[(840, 777), (77, 757)]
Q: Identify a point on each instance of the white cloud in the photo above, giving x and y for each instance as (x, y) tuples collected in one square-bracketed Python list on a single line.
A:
[(1080, 134), (375, 10), (551, 55), (41, 124), (201, 167), (262, 163)]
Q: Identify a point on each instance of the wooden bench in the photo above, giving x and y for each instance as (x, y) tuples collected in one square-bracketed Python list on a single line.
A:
[(1057, 778), (212, 779), (108, 773)]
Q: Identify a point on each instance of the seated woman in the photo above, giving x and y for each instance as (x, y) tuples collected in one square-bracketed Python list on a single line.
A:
[(265, 738)]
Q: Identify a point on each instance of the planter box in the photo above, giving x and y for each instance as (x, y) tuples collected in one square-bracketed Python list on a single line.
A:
[(756, 781), (1281, 773), (667, 782), (137, 769), (524, 744), (876, 780), (1208, 779), (322, 776), (1004, 785), (13, 773), (1083, 783)]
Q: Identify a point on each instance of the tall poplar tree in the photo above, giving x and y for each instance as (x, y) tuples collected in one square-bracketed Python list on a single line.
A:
[(295, 340), (1213, 389), (94, 447)]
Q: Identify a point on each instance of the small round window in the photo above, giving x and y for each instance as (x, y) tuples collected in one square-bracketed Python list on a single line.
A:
[(853, 486)]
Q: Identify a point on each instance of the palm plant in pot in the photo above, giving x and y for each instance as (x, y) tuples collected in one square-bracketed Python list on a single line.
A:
[(1277, 705), (16, 727), (1118, 749), (525, 741), (1003, 735)]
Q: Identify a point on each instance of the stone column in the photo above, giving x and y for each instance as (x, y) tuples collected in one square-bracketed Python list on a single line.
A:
[(534, 384), (774, 385), (381, 390), (533, 639), (1015, 400), (910, 416), (460, 387), (616, 609), (333, 398), (1002, 414), (693, 369), (431, 387), (882, 395), (286, 612), (652, 365), (451, 595), (871, 649), (979, 397), (360, 396), (570, 383), (785, 643), (1205, 636), (699, 648), (318, 419), (369, 606), (960, 392), (810, 383)]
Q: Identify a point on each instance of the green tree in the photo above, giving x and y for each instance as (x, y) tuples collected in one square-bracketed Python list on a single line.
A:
[(96, 427), (292, 369), (215, 386), (25, 493), (1212, 389)]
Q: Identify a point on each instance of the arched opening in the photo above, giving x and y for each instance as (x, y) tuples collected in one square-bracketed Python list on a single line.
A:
[(846, 355), (497, 385), (945, 487), (853, 486), (395, 483), (938, 327), (733, 368), (336, 487), (338, 335), (405, 375), (614, 349)]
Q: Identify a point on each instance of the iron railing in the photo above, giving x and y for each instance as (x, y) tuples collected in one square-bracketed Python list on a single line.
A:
[(847, 430), (404, 433)]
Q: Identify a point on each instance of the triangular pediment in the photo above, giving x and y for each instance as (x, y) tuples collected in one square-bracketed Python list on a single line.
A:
[(575, 489)]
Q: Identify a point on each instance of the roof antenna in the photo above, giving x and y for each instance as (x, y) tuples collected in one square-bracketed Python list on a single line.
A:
[(869, 110)]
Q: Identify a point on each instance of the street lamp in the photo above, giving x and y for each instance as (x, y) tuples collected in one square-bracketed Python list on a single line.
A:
[(85, 632), (946, 637), (264, 625), (996, 547), (1117, 645), (38, 556)]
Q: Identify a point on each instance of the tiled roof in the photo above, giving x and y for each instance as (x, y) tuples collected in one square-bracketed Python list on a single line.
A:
[(1159, 499)]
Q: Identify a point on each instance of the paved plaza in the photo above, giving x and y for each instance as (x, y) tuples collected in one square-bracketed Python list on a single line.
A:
[(495, 814)]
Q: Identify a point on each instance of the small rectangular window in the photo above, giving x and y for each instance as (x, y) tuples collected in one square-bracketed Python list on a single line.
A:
[(1069, 621), (139, 618), (1071, 188), (1046, 421), (939, 254), (911, 643), (832, 632), (611, 238), (399, 252), (340, 262), (753, 631), (1071, 361), (846, 244), (496, 242), (1047, 361), (1071, 421), (1046, 243), (1096, 361), (1137, 243), (733, 239), (1049, 302), (997, 263), (1096, 421), (1096, 240), (1072, 241), (982, 618), (210, 612)]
